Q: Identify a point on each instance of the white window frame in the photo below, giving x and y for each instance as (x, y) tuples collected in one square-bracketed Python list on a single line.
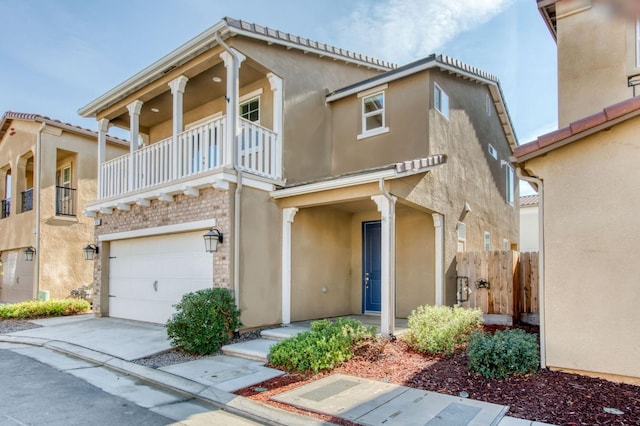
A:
[(248, 101), (62, 181), (638, 42), (488, 105), (487, 241), (492, 151), (461, 227), (364, 132), (510, 184), (506, 246), (441, 100)]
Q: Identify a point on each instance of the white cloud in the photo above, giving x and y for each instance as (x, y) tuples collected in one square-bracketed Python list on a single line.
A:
[(406, 30)]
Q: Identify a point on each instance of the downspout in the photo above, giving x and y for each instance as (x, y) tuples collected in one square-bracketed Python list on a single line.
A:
[(541, 299), (37, 186), (236, 220)]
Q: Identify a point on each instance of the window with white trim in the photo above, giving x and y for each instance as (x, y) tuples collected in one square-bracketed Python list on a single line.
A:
[(493, 152), (488, 105), (487, 241), (441, 100), (510, 184), (462, 236), (638, 42), (373, 112), (250, 110), (505, 245)]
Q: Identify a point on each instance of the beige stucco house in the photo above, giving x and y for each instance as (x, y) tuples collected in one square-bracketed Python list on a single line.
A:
[(47, 175), (341, 184), (529, 223), (587, 175)]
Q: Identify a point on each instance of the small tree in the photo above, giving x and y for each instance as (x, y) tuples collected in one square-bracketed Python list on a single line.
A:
[(203, 321)]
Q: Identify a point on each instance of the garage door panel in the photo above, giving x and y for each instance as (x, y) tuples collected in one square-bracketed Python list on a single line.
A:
[(16, 282), (149, 275)]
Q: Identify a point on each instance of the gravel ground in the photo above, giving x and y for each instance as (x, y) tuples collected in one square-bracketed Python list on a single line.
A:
[(13, 325), (175, 356)]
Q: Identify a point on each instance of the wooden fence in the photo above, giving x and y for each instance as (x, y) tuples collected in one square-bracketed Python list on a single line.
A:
[(499, 282)]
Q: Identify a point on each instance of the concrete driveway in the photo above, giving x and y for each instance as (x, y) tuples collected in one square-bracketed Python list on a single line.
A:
[(120, 338)]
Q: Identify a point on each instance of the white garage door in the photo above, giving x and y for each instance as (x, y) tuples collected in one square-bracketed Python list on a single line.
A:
[(16, 279), (148, 275)]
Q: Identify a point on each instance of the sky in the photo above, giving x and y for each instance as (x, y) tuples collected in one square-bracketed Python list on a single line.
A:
[(59, 55)]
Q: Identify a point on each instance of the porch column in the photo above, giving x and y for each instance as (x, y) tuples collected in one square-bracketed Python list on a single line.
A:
[(134, 128), (177, 90), (103, 128), (287, 219), (387, 209), (233, 94), (278, 114), (438, 223)]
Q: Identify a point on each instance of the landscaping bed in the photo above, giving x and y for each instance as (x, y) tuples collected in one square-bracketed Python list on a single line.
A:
[(547, 396)]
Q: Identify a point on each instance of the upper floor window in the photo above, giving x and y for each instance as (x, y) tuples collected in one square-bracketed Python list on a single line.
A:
[(373, 112), (250, 110), (638, 42), (493, 152), (510, 184), (441, 100), (488, 105), (462, 236), (487, 241)]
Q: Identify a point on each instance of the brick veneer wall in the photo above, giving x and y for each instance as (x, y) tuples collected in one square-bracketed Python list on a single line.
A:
[(209, 204)]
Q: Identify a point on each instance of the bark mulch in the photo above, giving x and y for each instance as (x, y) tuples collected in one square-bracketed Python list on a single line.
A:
[(548, 396)]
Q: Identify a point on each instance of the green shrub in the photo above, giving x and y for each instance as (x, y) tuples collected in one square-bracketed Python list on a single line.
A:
[(437, 329), (39, 309), (325, 346), (503, 354), (203, 321)]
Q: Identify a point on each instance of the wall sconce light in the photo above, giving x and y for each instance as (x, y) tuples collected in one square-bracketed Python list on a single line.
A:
[(211, 240), (90, 251), (28, 253)]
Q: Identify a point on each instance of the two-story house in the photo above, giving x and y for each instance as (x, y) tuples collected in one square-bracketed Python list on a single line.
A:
[(47, 175), (334, 183), (587, 175)]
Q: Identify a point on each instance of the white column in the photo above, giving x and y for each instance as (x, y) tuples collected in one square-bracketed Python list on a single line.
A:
[(387, 209), (177, 90), (233, 94), (134, 128), (103, 128), (438, 223), (287, 219), (278, 114)]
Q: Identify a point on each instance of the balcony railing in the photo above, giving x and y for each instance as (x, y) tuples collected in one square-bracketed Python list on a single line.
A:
[(190, 154), (27, 200), (65, 201), (5, 207)]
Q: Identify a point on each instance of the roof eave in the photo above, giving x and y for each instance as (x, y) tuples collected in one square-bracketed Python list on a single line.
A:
[(192, 48), (545, 7)]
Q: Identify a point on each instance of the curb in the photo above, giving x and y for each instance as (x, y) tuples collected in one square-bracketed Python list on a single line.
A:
[(234, 404)]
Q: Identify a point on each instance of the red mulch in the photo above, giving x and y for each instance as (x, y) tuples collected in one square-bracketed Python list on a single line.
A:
[(548, 396)]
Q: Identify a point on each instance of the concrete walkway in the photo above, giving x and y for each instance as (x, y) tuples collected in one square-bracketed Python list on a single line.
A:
[(113, 343)]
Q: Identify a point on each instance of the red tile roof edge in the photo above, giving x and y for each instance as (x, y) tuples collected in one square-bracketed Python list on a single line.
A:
[(621, 110)]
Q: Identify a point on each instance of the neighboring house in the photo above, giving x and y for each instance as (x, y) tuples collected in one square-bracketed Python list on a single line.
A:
[(354, 184), (47, 175), (588, 176), (529, 226)]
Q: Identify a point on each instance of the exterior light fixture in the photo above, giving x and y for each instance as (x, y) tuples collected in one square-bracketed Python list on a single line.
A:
[(28, 253), (216, 79), (90, 251), (211, 240)]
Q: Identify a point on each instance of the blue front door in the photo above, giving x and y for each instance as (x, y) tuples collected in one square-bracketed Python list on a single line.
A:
[(371, 283)]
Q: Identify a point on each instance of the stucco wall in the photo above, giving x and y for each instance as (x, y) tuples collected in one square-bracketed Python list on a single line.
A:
[(529, 227), (591, 23), (591, 229)]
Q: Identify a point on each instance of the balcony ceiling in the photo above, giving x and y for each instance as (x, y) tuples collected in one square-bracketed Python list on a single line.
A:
[(199, 90)]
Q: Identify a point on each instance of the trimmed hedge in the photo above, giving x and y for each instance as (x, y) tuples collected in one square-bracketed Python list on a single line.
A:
[(49, 308), (503, 354), (203, 321), (441, 329)]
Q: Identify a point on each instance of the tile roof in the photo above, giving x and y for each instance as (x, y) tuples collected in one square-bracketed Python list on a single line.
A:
[(11, 115), (579, 129), (529, 200), (277, 36)]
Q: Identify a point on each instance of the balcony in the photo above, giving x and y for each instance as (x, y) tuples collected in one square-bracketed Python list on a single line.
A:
[(65, 201), (27, 200), (5, 206), (192, 154)]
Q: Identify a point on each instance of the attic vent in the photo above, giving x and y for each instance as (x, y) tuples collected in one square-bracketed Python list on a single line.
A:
[(171, 68)]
